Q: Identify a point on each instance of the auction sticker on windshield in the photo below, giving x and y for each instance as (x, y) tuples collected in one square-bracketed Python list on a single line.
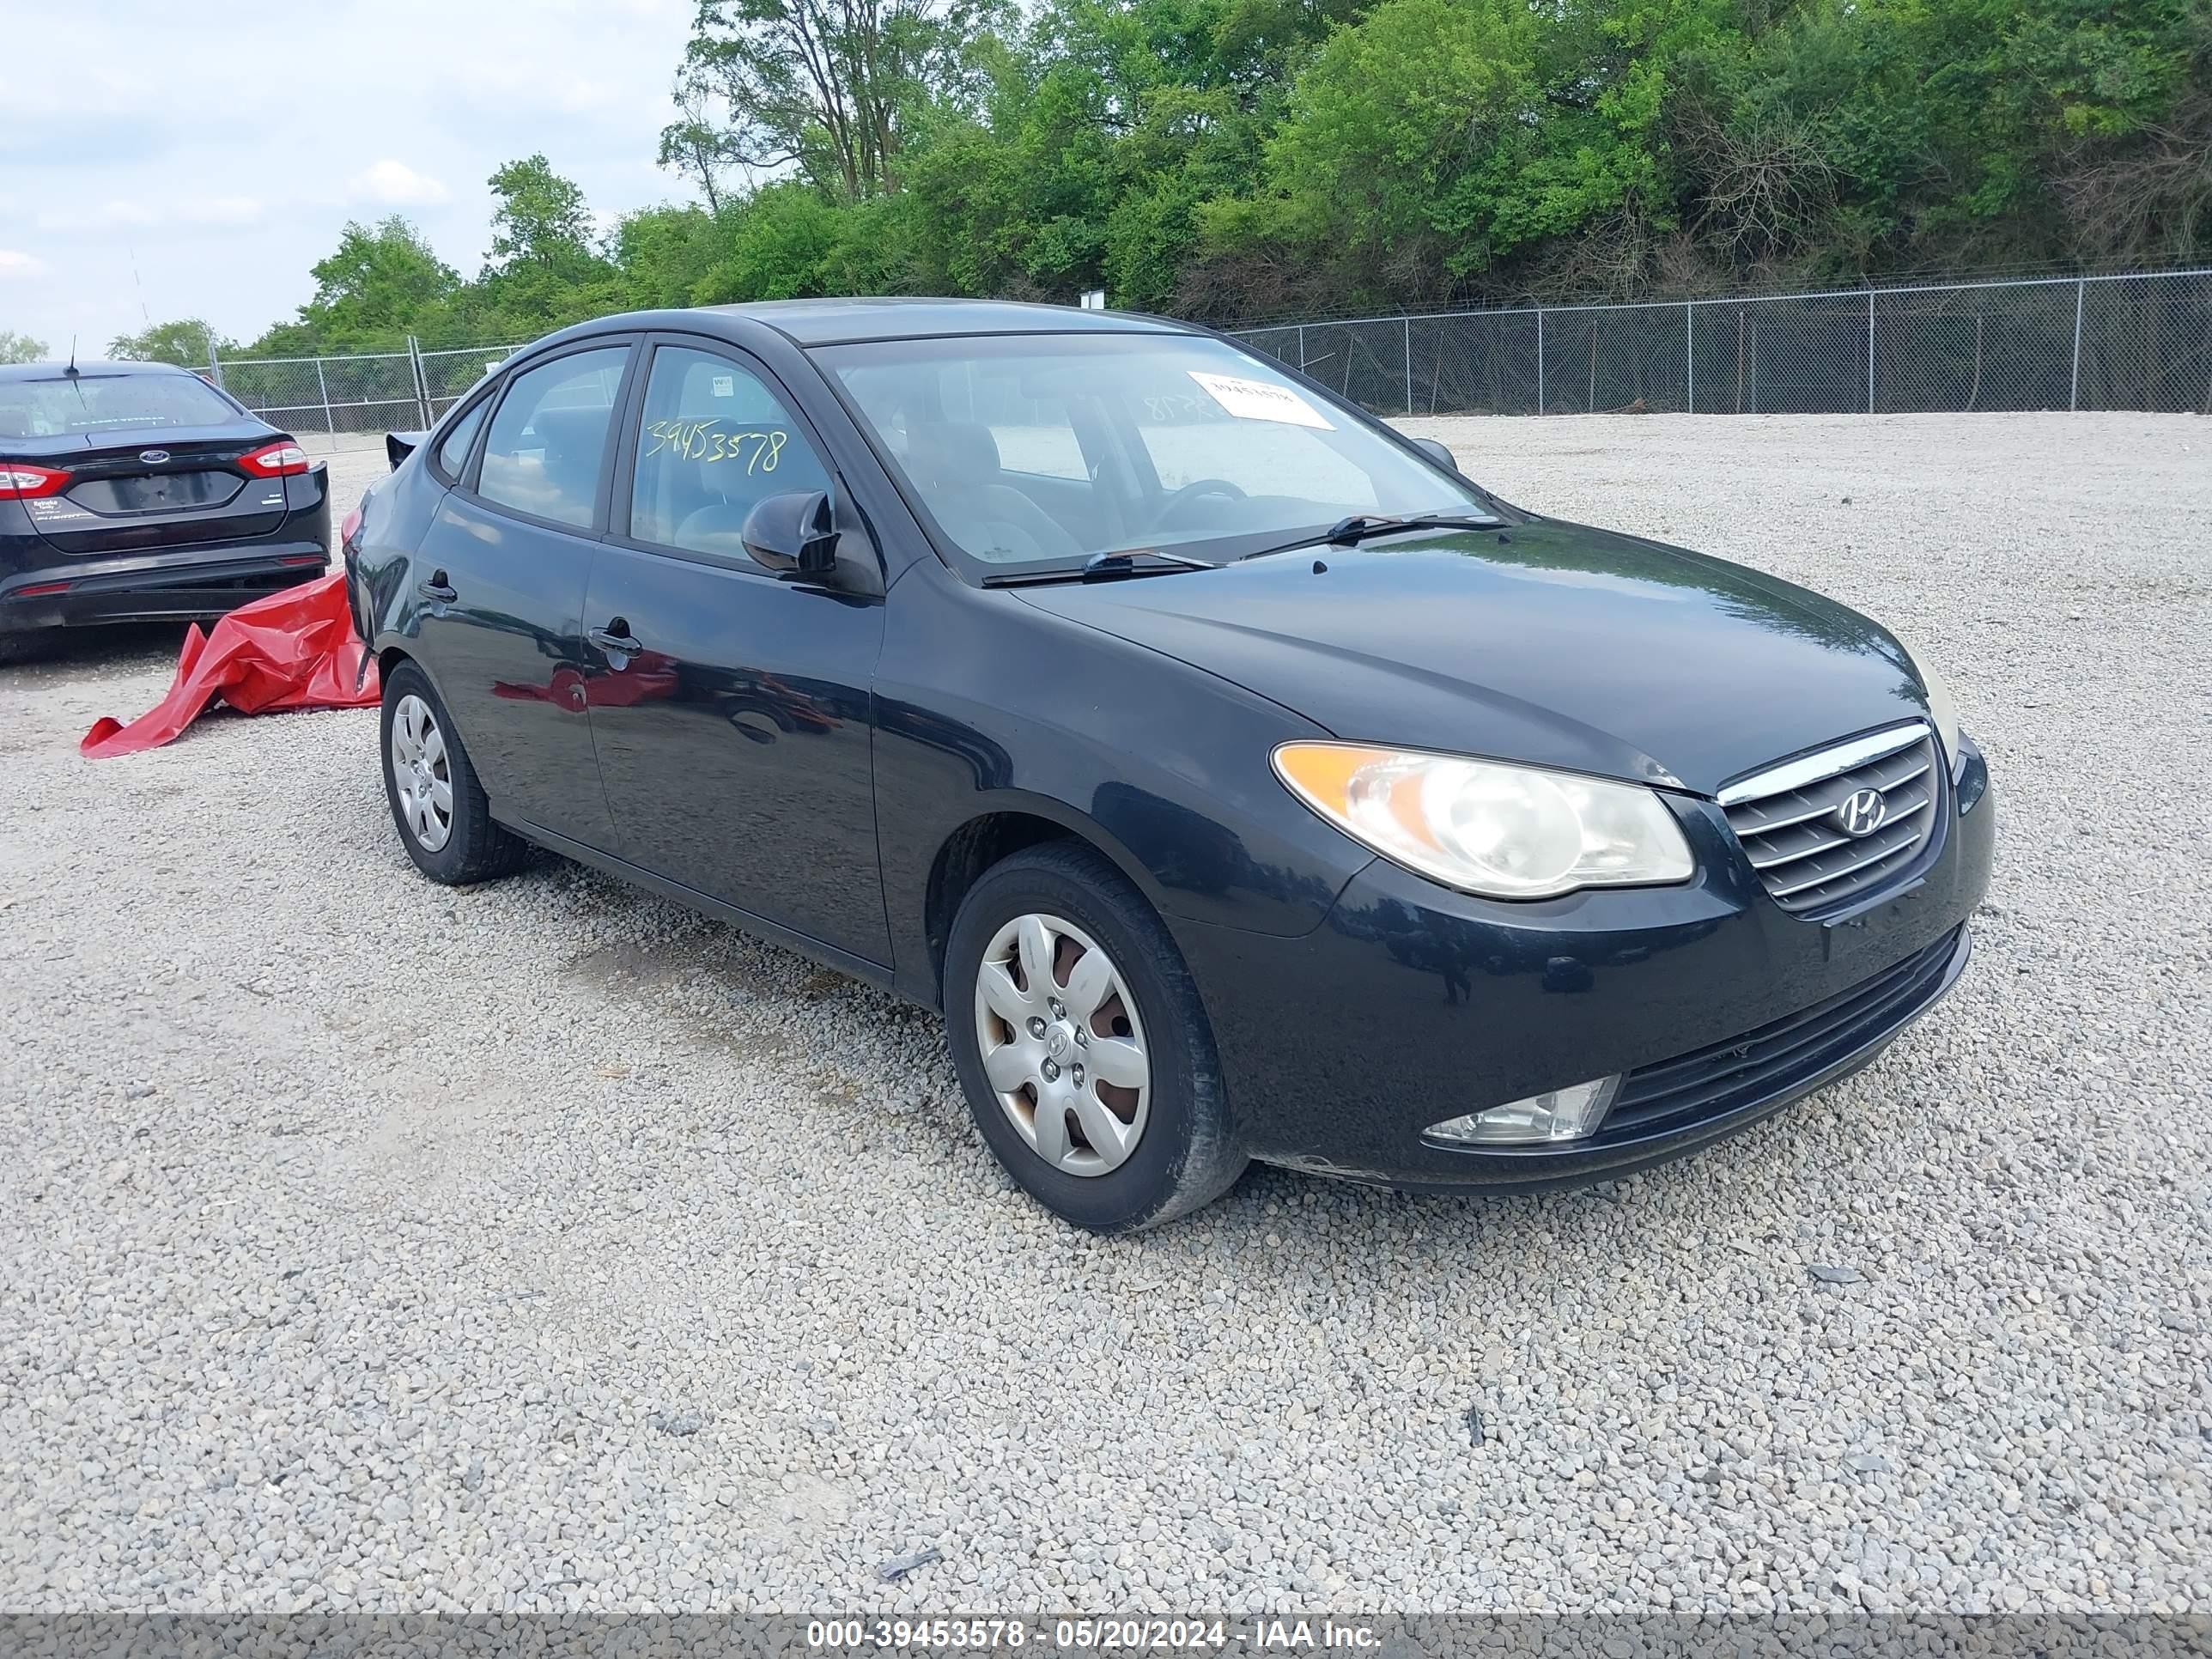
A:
[(1259, 400)]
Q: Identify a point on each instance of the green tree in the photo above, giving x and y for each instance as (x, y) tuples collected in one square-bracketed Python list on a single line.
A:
[(1231, 160), (184, 342), (665, 254), (827, 88), (780, 249), (378, 285), (544, 269), (1847, 138), (702, 144), (19, 348), (541, 219)]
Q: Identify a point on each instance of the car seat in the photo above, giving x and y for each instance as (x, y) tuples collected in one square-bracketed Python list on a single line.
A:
[(956, 466), (728, 490)]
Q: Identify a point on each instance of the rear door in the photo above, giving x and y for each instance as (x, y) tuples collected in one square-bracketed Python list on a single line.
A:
[(154, 460), (499, 589)]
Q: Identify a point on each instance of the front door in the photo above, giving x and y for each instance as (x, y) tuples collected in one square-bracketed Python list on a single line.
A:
[(731, 709), (501, 578)]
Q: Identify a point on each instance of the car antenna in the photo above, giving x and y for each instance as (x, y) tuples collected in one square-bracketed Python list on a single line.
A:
[(71, 371)]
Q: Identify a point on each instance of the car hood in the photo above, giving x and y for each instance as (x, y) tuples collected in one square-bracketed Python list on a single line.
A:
[(1546, 642)]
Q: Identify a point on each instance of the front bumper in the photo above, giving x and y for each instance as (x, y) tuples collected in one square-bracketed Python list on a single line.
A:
[(1411, 1004), (189, 584)]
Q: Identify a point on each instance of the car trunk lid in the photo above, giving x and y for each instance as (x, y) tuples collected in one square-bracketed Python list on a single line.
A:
[(159, 486)]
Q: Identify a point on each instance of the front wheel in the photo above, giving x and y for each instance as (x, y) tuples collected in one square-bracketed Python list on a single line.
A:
[(1082, 1045)]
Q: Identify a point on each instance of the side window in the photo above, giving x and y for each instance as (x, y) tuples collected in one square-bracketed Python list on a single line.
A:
[(453, 454), (714, 440), (543, 453)]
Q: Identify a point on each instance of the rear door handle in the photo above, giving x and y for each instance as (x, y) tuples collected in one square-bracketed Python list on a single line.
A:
[(437, 590), (616, 640)]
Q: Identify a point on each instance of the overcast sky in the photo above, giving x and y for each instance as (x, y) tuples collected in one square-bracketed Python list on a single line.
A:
[(220, 151)]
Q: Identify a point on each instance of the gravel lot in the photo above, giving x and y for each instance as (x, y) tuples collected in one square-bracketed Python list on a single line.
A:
[(367, 1244)]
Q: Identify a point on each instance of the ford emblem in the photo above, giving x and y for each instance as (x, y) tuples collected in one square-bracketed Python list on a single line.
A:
[(152, 457)]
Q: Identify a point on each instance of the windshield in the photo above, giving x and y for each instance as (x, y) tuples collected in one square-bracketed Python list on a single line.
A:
[(1039, 451), (94, 403)]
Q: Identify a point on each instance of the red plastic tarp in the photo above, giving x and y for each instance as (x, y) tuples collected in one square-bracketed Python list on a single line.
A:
[(296, 649)]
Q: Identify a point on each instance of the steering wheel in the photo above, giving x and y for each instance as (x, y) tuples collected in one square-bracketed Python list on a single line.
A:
[(1191, 492)]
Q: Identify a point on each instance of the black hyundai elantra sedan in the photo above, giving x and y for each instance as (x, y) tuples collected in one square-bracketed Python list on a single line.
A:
[(1239, 780), (137, 492)]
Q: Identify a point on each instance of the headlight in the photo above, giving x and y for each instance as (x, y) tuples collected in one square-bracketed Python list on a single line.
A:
[(1940, 710), (1510, 832)]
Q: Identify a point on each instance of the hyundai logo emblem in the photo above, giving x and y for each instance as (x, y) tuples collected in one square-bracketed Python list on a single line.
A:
[(1861, 812), (152, 457)]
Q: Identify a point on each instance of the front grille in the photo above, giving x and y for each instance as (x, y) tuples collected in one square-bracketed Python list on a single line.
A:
[(1767, 1061), (1797, 821)]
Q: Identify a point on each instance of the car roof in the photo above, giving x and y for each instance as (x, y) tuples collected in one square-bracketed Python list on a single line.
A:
[(802, 324), (86, 366), (833, 322)]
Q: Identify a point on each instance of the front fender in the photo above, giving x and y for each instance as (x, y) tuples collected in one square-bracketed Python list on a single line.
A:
[(984, 704)]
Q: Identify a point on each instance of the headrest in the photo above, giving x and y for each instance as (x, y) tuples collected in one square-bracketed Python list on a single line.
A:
[(952, 452), (567, 431)]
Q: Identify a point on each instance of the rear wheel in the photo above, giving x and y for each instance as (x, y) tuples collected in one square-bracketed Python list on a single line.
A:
[(1082, 1045), (24, 646), (443, 816)]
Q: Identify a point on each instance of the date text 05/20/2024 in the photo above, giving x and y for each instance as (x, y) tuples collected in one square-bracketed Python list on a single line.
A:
[(1093, 1635)]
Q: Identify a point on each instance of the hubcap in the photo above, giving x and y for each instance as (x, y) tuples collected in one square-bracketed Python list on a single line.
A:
[(1062, 1046), (421, 775)]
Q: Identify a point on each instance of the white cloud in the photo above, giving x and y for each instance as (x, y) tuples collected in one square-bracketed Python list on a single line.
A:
[(397, 185), (138, 204), (217, 210), (114, 214), (120, 212)]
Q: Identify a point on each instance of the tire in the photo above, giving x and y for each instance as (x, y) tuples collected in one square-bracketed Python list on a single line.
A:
[(461, 844), (1179, 1153), (19, 648)]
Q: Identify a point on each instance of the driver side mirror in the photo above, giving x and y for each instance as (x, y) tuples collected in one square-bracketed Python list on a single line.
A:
[(1438, 453), (793, 536)]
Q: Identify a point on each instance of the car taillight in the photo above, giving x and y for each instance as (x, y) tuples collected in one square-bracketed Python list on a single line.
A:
[(352, 524), (276, 460), (21, 481)]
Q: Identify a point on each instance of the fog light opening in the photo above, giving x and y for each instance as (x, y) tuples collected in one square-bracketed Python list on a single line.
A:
[(1570, 1113)]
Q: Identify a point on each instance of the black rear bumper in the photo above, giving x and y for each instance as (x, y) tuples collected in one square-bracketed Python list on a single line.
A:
[(185, 584)]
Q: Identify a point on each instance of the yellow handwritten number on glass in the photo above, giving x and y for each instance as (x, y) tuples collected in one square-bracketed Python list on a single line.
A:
[(702, 441)]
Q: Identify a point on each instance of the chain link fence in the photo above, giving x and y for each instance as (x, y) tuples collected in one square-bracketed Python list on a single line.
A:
[(2136, 342), (351, 402)]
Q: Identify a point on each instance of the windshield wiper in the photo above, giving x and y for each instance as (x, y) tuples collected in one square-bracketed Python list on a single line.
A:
[(1350, 532), (1145, 562)]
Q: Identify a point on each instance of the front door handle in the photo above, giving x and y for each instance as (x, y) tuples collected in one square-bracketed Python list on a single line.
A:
[(616, 640), (437, 590)]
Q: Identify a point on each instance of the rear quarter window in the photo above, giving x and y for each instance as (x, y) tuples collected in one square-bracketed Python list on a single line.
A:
[(451, 455)]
